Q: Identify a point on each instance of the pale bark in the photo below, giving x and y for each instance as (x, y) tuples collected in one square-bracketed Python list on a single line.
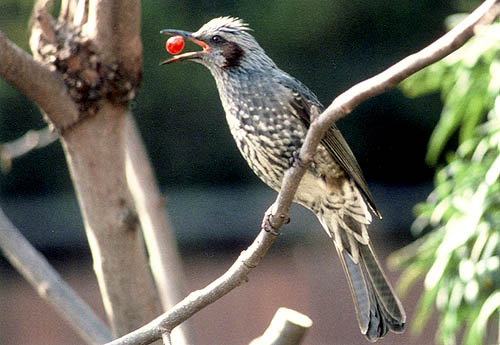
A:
[(288, 327)]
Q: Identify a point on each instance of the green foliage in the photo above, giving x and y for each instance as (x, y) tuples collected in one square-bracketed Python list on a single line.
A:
[(460, 255), (468, 80)]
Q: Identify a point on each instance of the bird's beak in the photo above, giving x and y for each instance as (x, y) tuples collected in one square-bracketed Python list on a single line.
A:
[(189, 55)]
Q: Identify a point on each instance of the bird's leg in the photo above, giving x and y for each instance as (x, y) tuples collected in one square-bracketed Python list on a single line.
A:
[(267, 222)]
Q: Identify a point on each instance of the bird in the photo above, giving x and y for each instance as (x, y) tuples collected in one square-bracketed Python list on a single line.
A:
[(269, 112)]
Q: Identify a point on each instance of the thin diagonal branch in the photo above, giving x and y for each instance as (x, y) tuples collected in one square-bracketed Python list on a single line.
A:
[(49, 284), (32, 139), (391, 77), (164, 258), (341, 106)]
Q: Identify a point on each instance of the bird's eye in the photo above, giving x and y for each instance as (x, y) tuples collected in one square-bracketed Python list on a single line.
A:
[(216, 39)]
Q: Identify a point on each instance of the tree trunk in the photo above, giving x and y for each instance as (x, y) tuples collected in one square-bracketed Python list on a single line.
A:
[(95, 151)]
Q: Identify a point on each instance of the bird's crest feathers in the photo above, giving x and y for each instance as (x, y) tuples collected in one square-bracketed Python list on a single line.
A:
[(225, 24)]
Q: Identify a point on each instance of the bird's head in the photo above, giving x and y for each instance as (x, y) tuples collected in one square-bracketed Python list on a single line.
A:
[(226, 45)]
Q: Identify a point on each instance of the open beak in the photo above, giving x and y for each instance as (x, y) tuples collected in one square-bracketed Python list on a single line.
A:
[(186, 56)]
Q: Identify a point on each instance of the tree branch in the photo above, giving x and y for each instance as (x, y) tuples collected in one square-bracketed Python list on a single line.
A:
[(164, 258), (49, 284), (95, 151), (390, 78), (115, 27), (32, 139), (41, 85), (80, 14), (288, 327)]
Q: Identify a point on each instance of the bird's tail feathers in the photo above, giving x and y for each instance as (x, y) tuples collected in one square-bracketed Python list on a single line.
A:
[(377, 307)]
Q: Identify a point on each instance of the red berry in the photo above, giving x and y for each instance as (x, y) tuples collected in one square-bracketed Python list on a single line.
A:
[(175, 44)]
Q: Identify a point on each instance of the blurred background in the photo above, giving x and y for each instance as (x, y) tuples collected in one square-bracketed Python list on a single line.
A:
[(214, 201)]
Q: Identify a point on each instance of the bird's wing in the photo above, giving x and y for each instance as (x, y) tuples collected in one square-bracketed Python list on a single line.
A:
[(306, 103)]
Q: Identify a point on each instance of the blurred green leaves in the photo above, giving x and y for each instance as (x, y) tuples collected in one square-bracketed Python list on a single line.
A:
[(469, 83), (459, 255)]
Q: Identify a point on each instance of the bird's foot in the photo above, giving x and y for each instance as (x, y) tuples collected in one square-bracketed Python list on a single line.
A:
[(295, 159), (267, 222)]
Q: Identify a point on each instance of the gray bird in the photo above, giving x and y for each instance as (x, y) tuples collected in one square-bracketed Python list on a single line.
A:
[(269, 112)]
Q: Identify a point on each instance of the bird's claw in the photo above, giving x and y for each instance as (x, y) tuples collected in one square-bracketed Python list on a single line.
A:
[(267, 225), (295, 159), (267, 222)]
